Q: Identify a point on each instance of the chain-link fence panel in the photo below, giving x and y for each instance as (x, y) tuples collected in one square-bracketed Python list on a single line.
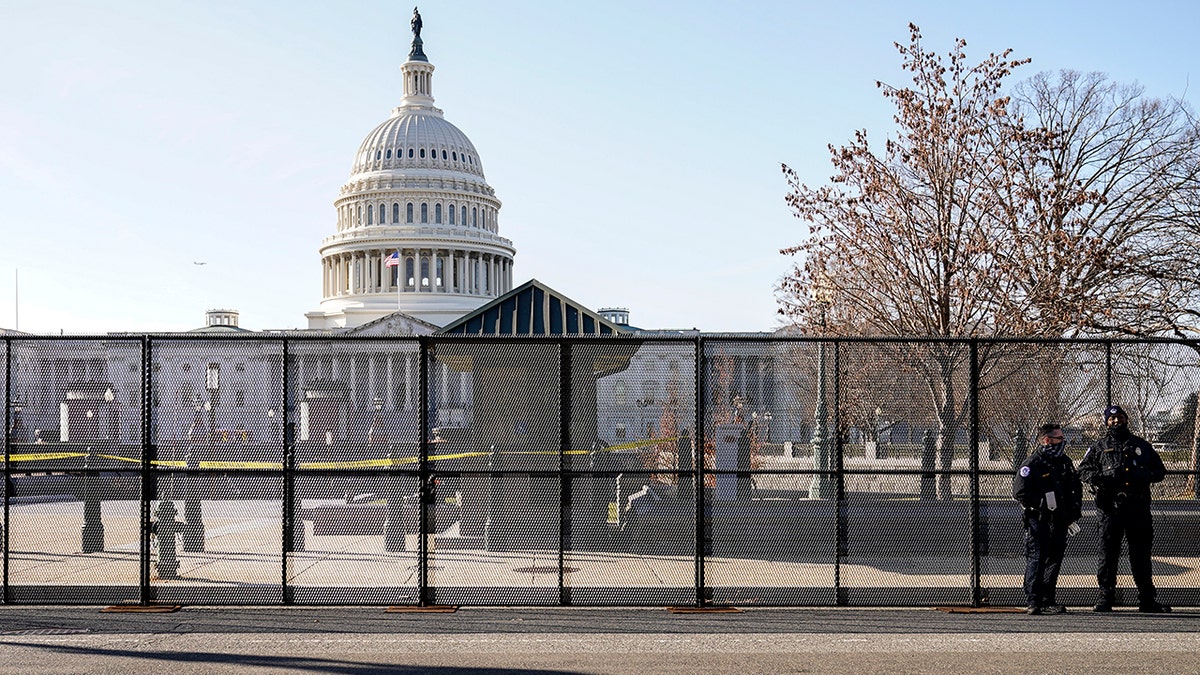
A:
[(1157, 384), (901, 549), (354, 404), (1023, 385), (496, 405), (516, 562), (634, 397), (74, 537), (356, 550), (764, 546), (218, 539), (217, 403), (79, 402), (629, 540)]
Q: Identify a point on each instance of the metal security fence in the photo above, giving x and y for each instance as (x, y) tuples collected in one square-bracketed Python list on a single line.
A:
[(563, 471)]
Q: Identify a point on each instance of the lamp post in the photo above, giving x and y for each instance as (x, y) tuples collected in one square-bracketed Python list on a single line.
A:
[(822, 485), (16, 427), (373, 433), (114, 416)]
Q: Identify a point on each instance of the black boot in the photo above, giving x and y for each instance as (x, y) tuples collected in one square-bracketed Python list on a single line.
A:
[(1153, 607), (1105, 603)]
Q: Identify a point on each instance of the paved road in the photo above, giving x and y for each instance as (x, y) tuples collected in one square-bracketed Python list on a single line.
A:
[(480, 641)]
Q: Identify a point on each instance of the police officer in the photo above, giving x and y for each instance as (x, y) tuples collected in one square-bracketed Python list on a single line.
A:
[(1119, 469), (1048, 488)]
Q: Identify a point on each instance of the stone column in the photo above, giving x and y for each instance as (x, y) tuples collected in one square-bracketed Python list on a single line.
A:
[(408, 381), (391, 384)]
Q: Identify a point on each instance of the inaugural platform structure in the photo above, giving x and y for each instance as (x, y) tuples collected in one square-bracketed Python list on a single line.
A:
[(417, 223)]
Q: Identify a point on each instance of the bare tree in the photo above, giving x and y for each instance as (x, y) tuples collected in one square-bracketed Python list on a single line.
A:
[(1101, 237), (1104, 210), (902, 241), (1069, 209)]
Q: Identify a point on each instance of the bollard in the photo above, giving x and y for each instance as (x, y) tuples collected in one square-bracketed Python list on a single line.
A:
[(683, 455), (491, 534), (1020, 449), (165, 528), (393, 527), (92, 532), (928, 462), (192, 528)]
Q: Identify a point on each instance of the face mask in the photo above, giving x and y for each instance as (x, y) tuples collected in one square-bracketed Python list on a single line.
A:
[(1119, 430), (1054, 448)]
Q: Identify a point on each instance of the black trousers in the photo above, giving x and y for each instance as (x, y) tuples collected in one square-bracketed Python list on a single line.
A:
[(1131, 520), (1045, 544)]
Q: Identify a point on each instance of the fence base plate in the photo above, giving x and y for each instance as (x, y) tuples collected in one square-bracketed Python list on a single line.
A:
[(428, 609), (980, 610), (704, 610), (144, 609)]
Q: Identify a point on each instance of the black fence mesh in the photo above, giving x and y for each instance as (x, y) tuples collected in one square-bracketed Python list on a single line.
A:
[(615, 471)]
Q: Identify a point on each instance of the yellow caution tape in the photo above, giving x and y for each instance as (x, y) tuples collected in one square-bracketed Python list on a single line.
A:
[(119, 458), (42, 456), (359, 464), (241, 465)]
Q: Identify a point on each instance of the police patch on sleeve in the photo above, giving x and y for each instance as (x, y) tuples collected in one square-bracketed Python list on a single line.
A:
[(1024, 472)]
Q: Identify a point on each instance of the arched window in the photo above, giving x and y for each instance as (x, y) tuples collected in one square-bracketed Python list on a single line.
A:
[(410, 212), (443, 155), (425, 272), (408, 272), (437, 213), (410, 153), (451, 212), (422, 153), (438, 279), (395, 212), (370, 216), (382, 214), (424, 212), (454, 156), (474, 217), (464, 216), (389, 153), (378, 155), (358, 216)]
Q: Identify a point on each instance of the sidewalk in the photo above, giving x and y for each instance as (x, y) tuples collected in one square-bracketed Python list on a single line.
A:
[(483, 641)]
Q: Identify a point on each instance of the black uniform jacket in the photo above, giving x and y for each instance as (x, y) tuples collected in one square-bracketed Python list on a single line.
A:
[(1043, 473), (1119, 469)]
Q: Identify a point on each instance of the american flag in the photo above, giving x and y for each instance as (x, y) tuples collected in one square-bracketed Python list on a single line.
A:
[(393, 260)]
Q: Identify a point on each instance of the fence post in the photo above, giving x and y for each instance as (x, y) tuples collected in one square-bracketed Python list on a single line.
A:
[(424, 487), (977, 547), (564, 483), (7, 464), (701, 377), (149, 484)]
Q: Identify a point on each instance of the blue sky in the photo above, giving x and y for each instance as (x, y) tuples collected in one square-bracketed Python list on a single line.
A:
[(636, 146)]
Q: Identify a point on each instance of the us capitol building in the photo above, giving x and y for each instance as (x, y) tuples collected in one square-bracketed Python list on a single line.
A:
[(417, 251), (417, 194)]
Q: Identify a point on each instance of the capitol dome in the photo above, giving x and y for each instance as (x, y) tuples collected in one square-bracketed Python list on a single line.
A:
[(410, 140), (417, 223)]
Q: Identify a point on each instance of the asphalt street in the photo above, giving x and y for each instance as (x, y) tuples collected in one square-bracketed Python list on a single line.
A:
[(483, 641)]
